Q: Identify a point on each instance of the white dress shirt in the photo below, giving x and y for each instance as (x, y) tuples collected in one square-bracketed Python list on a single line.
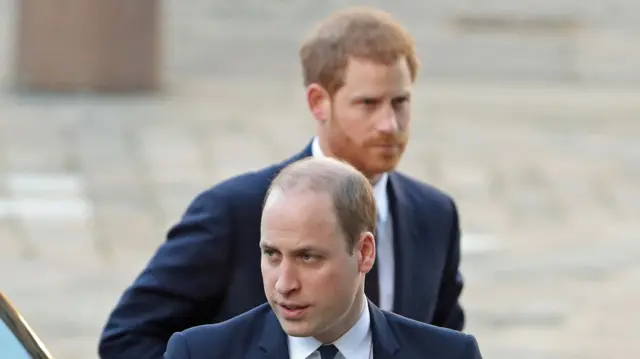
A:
[(354, 344), (384, 242)]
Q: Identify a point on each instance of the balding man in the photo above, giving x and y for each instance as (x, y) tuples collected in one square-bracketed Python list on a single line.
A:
[(359, 66), (317, 245)]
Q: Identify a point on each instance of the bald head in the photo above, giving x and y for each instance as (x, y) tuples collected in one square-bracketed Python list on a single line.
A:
[(349, 190)]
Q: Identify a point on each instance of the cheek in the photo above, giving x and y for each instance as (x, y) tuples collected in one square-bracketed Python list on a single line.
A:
[(323, 282), (268, 277), (351, 126), (404, 121), (338, 279)]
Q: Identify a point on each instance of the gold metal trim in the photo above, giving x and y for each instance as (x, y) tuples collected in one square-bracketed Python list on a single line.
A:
[(16, 323)]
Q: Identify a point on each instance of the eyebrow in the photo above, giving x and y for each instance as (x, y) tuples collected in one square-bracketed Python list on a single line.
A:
[(265, 245), (361, 96), (306, 249), (296, 251)]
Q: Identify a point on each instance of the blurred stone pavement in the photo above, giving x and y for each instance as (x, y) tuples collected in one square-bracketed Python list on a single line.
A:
[(546, 176)]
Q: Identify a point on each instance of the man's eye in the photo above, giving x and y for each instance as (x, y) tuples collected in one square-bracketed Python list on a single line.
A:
[(268, 252), (400, 101), (308, 257)]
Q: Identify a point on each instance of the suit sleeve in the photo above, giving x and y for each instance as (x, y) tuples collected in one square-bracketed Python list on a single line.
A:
[(449, 312), (180, 286), (471, 349), (177, 348)]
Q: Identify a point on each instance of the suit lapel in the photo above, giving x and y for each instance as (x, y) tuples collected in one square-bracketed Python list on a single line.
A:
[(385, 343), (409, 249), (404, 232), (271, 341)]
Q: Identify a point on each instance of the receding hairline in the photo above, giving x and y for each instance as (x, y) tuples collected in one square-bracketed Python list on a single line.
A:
[(349, 192), (316, 167), (312, 174), (278, 193)]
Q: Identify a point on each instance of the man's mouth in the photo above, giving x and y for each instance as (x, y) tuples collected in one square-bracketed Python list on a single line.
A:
[(293, 311)]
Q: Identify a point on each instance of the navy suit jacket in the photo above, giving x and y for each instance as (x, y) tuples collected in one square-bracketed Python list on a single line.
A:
[(257, 334), (208, 269)]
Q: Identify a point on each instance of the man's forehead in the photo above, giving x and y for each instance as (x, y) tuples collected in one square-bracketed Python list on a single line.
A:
[(275, 195), (295, 241), (289, 210), (301, 215), (372, 71), (369, 88)]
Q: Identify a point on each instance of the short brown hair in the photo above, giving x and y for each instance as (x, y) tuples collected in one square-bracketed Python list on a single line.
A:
[(357, 32), (350, 191)]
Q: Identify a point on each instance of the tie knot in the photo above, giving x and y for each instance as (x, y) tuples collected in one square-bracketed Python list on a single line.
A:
[(328, 351)]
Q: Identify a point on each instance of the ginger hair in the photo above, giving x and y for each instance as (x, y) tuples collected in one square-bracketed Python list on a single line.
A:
[(355, 33)]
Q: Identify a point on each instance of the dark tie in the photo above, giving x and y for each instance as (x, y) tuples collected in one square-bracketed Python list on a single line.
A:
[(372, 281), (328, 351)]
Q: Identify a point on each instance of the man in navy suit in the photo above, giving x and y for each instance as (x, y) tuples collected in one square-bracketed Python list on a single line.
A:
[(359, 67), (317, 244)]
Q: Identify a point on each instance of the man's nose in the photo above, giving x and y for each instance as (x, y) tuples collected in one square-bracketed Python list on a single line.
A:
[(388, 120), (287, 279)]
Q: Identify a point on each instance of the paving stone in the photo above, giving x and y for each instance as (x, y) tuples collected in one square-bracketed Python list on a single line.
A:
[(125, 226), (12, 244)]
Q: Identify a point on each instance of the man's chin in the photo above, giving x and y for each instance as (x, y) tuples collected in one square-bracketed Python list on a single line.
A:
[(383, 166), (297, 329)]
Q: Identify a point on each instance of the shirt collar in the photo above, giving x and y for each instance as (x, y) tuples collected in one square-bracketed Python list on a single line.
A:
[(379, 189), (350, 344)]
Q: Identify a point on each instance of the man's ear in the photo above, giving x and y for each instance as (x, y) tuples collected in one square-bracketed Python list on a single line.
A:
[(367, 251), (319, 102)]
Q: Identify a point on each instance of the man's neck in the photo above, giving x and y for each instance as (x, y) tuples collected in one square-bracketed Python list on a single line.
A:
[(350, 321), (350, 343)]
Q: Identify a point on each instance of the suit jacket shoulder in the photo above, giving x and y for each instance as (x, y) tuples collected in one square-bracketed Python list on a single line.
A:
[(244, 186), (421, 339), (221, 340), (425, 194), (244, 189)]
